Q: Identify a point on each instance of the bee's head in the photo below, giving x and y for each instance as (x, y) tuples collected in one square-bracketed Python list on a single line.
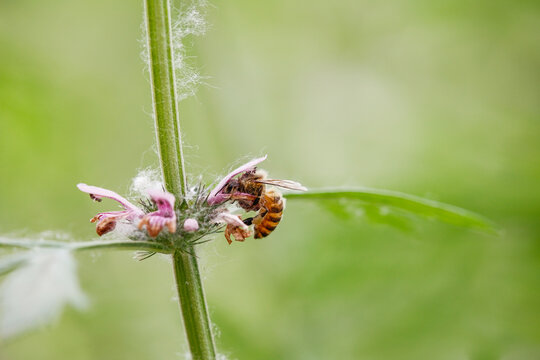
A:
[(231, 186), (252, 175)]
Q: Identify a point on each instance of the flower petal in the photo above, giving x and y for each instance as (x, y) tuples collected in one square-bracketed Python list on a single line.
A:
[(164, 202), (98, 193), (163, 216), (106, 225), (215, 197), (155, 223), (238, 233), (106, 221), (235, 226), (230, 219)]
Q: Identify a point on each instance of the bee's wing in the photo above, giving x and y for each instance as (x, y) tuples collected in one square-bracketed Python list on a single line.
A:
[(287, 184)]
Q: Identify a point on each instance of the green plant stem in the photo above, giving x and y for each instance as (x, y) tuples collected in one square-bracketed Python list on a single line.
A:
[(166, 116), (193, 306), (186, 270)]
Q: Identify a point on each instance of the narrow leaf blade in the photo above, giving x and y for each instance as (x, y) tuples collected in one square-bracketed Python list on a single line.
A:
[(412, 204)]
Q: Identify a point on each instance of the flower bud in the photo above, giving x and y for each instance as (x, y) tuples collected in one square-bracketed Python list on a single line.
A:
[(191, 225)]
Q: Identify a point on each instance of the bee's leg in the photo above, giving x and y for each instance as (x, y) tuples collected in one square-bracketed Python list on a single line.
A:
[(242, 196), (260, 216), (248, 221)]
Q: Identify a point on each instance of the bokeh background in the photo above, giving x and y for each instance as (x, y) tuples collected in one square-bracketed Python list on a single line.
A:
[(438, 99)]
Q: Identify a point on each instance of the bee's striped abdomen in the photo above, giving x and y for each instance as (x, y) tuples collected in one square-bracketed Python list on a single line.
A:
[(270, 214)]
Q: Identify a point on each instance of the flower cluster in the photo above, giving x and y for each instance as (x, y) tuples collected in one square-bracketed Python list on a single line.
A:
[(202, 211), (155, 221)]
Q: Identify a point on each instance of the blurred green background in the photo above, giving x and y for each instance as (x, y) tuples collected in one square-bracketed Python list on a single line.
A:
[(438, 99)]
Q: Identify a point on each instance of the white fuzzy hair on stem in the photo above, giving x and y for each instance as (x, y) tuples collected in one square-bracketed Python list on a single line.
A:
[(187, 20), (190, 22), (146, 179)]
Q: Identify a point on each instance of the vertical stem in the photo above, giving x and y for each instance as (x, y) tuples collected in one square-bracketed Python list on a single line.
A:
[(193, 306), (158, 28), (186, 270)]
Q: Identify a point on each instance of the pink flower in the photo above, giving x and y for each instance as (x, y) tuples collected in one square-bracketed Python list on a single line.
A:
[(191, 225), (235, 226), (154, 221), (216, 195), (164, 216), (106, 221)]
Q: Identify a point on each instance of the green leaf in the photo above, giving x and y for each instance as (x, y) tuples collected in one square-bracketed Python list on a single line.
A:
[(384, 215), (405, 202)]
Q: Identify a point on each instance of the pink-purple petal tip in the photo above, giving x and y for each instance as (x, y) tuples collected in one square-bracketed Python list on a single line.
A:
[(98, 193), (156, 195)]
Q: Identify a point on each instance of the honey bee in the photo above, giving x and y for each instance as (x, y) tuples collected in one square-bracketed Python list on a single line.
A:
[(250, 192), (269, 215)]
